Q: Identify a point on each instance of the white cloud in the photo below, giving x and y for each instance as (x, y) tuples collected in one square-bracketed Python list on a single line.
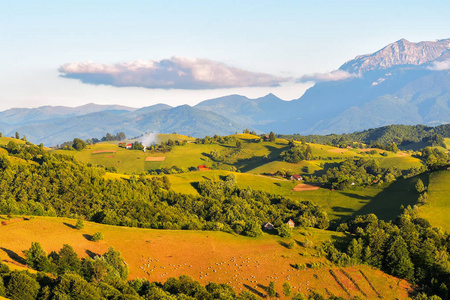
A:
[(440, 65), (173, 73), (337, 75)]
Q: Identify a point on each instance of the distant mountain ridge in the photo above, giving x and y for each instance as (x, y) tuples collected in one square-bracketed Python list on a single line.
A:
[(16, 116), (67, 123), (396, 85), (402, 52), (402, 83)]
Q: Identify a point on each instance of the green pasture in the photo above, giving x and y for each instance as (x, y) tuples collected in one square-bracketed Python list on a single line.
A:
[(437, 208), (4, 140), (384, 201)]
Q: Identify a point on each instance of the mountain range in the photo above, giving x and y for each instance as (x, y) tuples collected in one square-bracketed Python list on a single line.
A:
[(402, 83)]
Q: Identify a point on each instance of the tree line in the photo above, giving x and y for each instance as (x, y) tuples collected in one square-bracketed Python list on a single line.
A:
[(408, 247), (381, 137)]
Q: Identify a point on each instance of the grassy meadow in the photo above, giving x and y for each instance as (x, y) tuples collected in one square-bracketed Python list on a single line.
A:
[(254, 159), (242, 262), (437, 208), (384, 202)]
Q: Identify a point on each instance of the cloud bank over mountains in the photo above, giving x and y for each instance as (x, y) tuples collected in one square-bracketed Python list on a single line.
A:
[(440, 65), (173, 73), (337, 75)]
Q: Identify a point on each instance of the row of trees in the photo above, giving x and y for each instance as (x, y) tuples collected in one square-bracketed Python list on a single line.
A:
[(382, 136), (296, 153), (246, 209), (435, 158), (358, 172), (108, 267), (408, 248)]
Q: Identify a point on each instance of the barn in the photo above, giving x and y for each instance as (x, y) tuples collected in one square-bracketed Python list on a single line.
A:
[(268, 226), (291, 223), (296, 177)]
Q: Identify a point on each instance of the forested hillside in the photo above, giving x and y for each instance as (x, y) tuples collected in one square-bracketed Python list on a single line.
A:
[(35, 182), (406, 136)]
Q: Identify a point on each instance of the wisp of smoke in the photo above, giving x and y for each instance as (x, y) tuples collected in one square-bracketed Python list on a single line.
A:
[(149, 139)]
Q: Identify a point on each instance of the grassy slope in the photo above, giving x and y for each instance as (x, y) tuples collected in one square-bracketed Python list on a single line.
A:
[(385, 203), (251, 156), (437, 209), (447, 142), (338, 204), (160, 254), (5, 140), (126, 161), (255, 158)]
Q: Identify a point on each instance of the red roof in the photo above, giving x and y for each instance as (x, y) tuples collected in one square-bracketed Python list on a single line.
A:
[(203, 168)]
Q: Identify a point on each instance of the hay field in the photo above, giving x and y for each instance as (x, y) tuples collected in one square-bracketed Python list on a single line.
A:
[(305, 187), (242, 262)]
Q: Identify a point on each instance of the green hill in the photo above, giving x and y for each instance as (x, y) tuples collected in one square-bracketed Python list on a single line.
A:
[(437, 208)]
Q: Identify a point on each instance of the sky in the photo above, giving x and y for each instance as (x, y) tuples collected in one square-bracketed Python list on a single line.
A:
[(140, 53)]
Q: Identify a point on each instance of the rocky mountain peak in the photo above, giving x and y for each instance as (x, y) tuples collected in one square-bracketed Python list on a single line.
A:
[(402, 52)]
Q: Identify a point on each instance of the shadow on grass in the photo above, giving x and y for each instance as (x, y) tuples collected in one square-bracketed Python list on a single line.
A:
[(263, 287), (340, 209), (92, 254), (386, 205), (285, 244), (299, 243), (356, 196), (255, 291), (88, 237), (271, 232), (69, 225), (341, 242), (14, 256)]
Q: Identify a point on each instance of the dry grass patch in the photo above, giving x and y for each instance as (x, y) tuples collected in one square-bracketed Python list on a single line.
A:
[(104, 151), (155, 158), (338, 150), (306, 187)]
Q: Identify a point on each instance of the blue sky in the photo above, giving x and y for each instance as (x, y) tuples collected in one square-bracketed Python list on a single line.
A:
[(283, 39)]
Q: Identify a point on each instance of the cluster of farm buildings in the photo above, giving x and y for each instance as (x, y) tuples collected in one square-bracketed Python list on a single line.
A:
[(269, 226), (126, 145)]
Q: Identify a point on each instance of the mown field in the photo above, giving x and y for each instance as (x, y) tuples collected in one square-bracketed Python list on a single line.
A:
[(437, 208), (242, 262)]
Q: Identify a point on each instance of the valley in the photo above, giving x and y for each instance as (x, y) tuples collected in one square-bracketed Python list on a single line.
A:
[(220, 252)]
